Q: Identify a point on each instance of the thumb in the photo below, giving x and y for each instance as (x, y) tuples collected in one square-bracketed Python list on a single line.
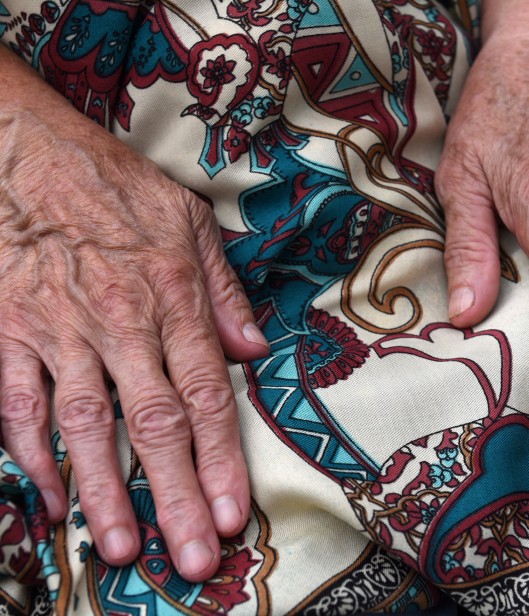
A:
[(472, 251)]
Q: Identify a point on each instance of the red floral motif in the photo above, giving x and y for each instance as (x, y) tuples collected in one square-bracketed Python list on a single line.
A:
[(415, 513), (226, 590), (210, 69), (280, 64), (218, 72), (237, 143), (432, 45), (332, 350), (248, 12)]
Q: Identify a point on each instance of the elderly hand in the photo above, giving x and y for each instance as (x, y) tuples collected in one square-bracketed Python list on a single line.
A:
[(484, 170), (109, 268)]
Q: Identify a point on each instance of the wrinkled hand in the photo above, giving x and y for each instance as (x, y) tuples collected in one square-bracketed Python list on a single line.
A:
[(109, 268), (484, 172)]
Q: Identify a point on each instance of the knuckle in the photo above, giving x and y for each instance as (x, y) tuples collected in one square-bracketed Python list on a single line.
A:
[(156, 422), (94, 497), (22, 407), (457, 176), (207, 397), (216, 462), (229, 290), (18, 318), (37, 462), (174, 281), (190, 316), (173, 512), (467, 252), (78, 413), (116, 300)]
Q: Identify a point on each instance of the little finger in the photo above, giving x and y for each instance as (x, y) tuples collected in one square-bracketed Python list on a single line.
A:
[(25, 416)]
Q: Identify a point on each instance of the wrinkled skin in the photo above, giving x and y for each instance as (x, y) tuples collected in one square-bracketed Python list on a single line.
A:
[(109, 270), (484, 169)]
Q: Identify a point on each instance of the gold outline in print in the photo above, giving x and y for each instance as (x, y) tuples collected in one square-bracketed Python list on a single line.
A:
[(359, 47), (172, 6), (434, 212), (92, 586), (342, 143), (466, 17), (270, 559), (61, 550), (386, 304), (11, 602)]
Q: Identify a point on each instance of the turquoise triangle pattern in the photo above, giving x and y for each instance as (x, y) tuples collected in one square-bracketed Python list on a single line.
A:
[(274, 396), (305, 412), (3, 13), (342, 457), (357, 75), (287, 370)]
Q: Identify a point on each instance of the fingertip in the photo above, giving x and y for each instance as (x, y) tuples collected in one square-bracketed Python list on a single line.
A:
[(197, 561), (120, 546), (469, 304), (243, 344), (227, 516), (460, 301), (56, 504), (255, 336)]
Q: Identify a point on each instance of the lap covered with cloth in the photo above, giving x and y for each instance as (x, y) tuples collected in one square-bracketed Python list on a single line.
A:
[(387, 450)]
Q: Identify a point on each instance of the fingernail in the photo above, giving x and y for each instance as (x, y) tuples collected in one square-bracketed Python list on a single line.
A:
[(194, 558), (53, 504), (253, 334), (226, 514), (118, 543), (461, 299)]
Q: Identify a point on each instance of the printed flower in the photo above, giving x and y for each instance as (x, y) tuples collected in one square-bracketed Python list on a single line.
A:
[(268, 139), (217, 62), (447, 471), (242, 116), (279, 65), (262, 106), (416, 512), (204, 113), (237, 143), (248, 11), (449, 561), (218, 72), (226, 589), (447, 456), (432, 45), (332, 349)]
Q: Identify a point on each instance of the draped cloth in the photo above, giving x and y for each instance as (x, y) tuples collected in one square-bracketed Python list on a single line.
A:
[(387, 450)]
